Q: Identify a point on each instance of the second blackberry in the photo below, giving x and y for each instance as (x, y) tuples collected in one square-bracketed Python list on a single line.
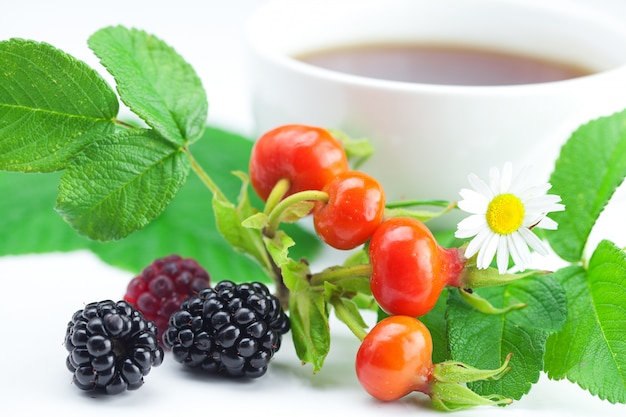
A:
[(232, 329)]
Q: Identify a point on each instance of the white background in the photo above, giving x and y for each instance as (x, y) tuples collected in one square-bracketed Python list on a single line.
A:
[(40, 292)]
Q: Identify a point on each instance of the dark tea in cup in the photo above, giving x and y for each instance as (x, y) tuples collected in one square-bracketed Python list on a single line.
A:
[(442, 64)]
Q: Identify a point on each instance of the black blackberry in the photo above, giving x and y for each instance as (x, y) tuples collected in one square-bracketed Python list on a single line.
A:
[(111, 347), (232, 329)]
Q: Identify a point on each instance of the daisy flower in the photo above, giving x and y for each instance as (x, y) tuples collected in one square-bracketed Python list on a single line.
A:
[(502, 214)]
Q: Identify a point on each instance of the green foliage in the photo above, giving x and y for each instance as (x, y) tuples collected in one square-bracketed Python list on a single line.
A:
[(154, 81), (591, 165), (125, 194), (56, 113), (51, 105), (591, 348), (29, 224), (120, 183), (485, 340)]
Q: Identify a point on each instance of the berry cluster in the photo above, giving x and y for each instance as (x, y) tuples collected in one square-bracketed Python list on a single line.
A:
[(307, 158), (232, 329), (162, 286), (111, 347), (407, 268)]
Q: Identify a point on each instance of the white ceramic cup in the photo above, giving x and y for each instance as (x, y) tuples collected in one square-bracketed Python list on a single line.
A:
[(428, 138)]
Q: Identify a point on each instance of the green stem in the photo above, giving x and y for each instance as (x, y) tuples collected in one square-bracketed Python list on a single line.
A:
[(490, 277), (413, 203), (204, 177), (348, 319), (123, 124), (335, 274), (274, 217), (277, 194)]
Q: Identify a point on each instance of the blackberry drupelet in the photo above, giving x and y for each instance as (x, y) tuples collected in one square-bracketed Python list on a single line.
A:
[(163, 285), (231, 329), (111, 347)]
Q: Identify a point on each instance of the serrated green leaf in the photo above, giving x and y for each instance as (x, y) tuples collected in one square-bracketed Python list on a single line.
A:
[(28, 223), (591, 165), (591, 348), (51, 106), (120, 183), (154, 81), (485, 340)]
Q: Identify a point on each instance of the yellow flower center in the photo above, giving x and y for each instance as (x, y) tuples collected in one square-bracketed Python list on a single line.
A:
[(505, 214)]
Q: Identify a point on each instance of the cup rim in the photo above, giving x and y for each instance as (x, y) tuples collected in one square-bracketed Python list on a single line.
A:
[(286, 61)]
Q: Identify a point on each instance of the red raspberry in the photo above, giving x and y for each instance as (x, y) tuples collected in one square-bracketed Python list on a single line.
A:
[(163, 285)]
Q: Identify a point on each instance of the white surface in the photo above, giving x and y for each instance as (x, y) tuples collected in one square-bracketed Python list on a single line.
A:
[(40, 292)]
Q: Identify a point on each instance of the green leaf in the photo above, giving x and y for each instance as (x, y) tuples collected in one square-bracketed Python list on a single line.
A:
[(436, 322), (592, 164), (120, 183), (154, 81), (308, 313), (485, 340), (590, 350), (309, 327), (51, 106), (230, 221), (28, 223)]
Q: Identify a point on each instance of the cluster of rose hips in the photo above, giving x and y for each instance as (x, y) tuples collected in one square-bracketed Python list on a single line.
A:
[(409, 268)]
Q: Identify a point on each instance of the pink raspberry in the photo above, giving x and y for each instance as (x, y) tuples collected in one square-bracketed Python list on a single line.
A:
[(163, 285)]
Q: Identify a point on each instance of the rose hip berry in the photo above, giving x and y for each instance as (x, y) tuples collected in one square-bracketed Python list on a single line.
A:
[(163, 285), (355, 208), (307, 156), (395, 359), (409, 268)]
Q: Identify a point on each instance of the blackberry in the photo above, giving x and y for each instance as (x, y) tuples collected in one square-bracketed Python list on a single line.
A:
[(163, 285), (111, 347), (231, 329)]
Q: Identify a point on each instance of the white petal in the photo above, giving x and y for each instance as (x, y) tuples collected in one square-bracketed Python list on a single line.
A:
[(477, 243), (531, 239), (473, 202), (519, 182), (534, 190), (502, 259), (480, 186), (470, 226), (547, 223), (487, 252), (542, 203), (505, 179), (519, 251), (494, 180)]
